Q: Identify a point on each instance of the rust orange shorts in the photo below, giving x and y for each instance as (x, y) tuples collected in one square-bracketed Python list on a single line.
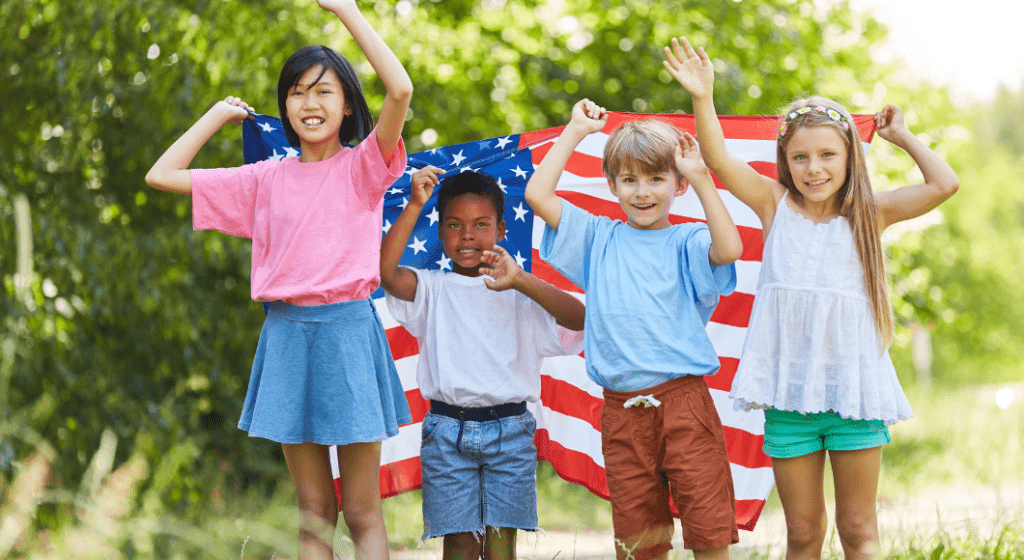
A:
[(677, 449)]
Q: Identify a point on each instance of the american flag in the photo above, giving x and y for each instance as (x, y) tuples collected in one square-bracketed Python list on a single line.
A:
[(569, 412)]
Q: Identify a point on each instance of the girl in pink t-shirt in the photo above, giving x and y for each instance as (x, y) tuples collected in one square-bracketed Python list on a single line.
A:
[(323, 374)]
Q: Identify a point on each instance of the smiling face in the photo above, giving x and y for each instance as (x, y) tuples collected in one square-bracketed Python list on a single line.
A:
[(316, 108), (817, 161), (646, 198), (469, 227)]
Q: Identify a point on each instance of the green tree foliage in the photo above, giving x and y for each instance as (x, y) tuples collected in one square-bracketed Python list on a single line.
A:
[(137, 324)]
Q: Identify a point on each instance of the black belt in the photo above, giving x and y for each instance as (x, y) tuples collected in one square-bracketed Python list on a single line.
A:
[(477, 414)]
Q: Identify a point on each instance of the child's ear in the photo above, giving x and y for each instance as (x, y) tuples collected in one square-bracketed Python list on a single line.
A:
[(501, 231), (611, 185), (682, 186)]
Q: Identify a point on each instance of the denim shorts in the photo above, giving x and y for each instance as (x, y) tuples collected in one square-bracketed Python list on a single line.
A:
[(790, 434), (489, 481)]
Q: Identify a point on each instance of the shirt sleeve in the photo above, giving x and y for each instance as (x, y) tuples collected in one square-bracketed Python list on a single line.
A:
[(549, 339), (225, 199), (567, 249), (372, 175), (413, 314), (708, 281)]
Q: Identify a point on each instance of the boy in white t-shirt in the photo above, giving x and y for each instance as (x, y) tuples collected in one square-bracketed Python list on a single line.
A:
[(481, 342)]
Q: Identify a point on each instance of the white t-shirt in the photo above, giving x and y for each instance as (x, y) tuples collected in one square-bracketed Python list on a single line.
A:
[(479, 347)]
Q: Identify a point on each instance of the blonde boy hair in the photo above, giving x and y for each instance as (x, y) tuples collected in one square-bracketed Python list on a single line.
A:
[(642, 146), (856, 202)]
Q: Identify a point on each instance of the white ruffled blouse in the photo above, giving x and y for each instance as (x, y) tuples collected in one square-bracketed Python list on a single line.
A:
[(811, 344)]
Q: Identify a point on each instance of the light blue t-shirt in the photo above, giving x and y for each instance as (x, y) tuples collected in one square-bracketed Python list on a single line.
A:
[(650, 294)]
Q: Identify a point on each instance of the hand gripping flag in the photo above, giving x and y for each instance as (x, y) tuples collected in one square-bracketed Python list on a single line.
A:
[(569, 412)]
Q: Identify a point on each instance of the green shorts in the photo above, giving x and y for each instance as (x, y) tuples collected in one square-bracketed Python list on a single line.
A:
[(792, 434)]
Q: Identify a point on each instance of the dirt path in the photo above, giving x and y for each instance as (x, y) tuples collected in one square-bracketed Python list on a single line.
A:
[(959, 510)]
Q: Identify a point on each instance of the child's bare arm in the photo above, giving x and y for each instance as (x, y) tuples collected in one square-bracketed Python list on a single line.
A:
[(397, 85), (170, 172), (540, 191), (696, 73), (726, 245), (401, 282), (568, 311), (940, 181)]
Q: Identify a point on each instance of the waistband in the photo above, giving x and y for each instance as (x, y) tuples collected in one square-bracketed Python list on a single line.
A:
[(478, 414), (661, 391), (354, 309)]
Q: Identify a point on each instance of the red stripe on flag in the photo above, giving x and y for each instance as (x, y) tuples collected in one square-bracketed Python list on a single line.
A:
[(745, 449), (399, 476), (590, 475), (418, 406), (402, 343), (747, 512), (541, 269), (565, 398), (722, 379), (528, 139), (753, 244), (734, 309), (584, 165)]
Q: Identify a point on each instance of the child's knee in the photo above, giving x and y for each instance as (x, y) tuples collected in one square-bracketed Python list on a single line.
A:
[(856, 528), (361, 518), (806, 530)]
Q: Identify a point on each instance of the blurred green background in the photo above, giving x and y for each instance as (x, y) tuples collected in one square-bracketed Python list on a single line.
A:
[(126, 338)]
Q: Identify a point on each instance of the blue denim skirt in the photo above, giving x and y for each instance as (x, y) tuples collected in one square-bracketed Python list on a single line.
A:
[(324, 374)]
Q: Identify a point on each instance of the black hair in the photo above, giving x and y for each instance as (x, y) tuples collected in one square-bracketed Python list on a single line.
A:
[(355, 126), (471, 182)]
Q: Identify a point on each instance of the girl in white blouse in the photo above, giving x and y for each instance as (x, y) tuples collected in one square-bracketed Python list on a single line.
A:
[(816, 353)]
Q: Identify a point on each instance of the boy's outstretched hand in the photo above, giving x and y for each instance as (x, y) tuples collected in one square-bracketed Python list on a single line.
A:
[(589, 116), (500, 266), (423, 183), (689, 162), (692, 69)]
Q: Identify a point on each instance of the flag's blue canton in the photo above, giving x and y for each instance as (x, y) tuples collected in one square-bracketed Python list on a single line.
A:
[(501, 158)]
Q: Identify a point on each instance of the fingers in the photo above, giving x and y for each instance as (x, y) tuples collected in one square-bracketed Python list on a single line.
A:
[(427, 175), (688, 142)]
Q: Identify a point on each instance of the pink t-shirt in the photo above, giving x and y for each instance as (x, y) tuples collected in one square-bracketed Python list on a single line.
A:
[(315, 227)]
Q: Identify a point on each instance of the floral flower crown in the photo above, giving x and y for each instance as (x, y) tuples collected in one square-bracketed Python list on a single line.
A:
[(830, 113)]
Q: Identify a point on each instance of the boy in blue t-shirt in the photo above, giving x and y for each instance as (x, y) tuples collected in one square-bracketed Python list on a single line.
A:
[(651, 287)]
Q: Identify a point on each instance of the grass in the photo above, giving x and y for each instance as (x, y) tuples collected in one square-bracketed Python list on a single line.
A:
[(958, 438)]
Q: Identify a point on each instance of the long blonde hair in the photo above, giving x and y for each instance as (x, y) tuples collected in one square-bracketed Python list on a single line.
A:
[(857, 202)]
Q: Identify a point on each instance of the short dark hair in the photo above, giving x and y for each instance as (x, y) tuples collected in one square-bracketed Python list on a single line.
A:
[(355, 126), (471, 182)]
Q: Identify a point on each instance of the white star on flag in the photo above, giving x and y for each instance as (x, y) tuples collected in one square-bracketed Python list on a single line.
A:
[(521, 212), (290, 151), (394, 190), (433, 216), (501, 186), (445, 263), (520, 260), (519, 172), (387, 226), (417, 245), (266, 127), (405, 202), (502, 142), (458, 158)]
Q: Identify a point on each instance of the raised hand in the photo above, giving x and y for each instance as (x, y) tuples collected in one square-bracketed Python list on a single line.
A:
[(500, 266), (889, 123), (689, 162), (235, 110), (423, 183), (692, 69), (589, 116), (335, 5)]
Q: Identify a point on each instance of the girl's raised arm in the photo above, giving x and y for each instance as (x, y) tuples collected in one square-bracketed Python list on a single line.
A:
[(396, 80), (696, 73), (170, 172), (940, 181)]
